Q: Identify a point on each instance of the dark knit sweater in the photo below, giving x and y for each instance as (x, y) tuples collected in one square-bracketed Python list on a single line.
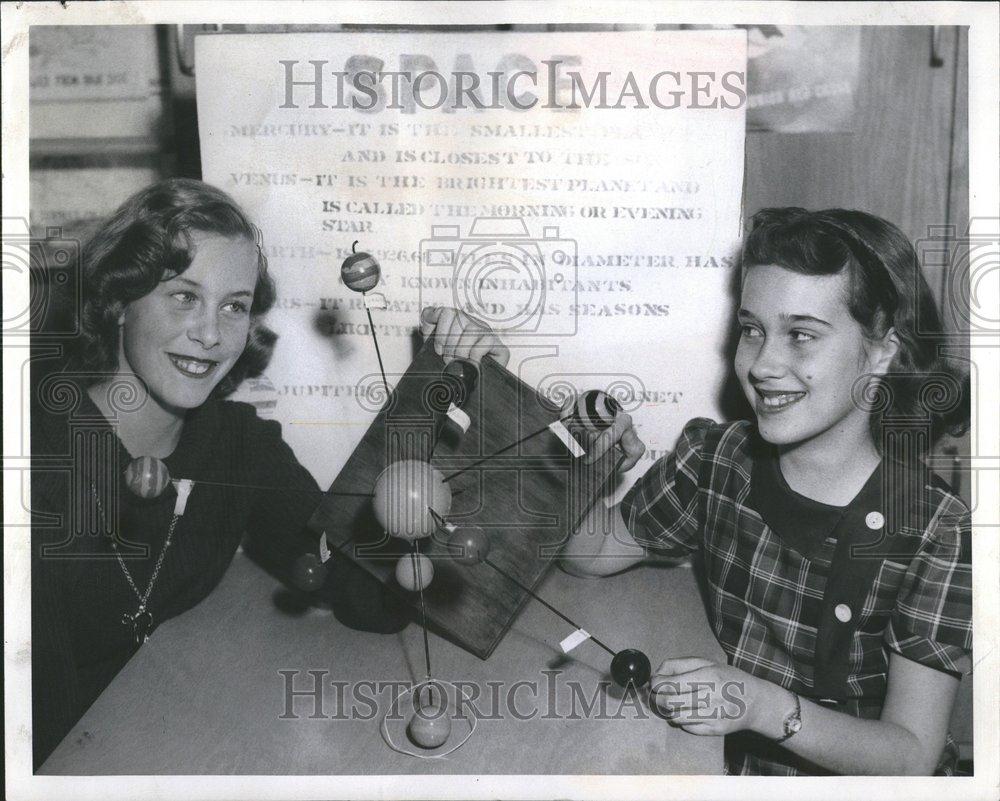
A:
[(79, 591)]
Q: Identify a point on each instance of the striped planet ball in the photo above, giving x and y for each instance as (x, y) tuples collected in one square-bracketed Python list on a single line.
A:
[(360, 272), (147, 477), (596, 410)]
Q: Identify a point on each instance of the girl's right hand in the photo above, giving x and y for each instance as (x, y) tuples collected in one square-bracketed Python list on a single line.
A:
[(458, 335), (620, 434)]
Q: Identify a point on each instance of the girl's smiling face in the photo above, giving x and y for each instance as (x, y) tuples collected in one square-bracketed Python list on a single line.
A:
[(183, 337), (800, 354)]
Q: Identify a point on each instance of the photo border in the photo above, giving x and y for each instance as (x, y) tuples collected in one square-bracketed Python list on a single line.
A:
[(984, 132)]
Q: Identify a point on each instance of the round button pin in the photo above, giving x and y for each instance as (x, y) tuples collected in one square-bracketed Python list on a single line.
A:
[(843, 612), (874, 520)]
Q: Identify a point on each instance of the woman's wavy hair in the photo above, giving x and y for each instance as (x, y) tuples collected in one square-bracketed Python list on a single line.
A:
[(149, 239), (886, 289)]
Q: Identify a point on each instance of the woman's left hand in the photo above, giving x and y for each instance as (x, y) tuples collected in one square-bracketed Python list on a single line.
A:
[(457, 335), (705, 697)]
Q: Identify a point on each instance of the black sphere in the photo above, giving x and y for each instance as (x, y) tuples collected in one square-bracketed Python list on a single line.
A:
[(467, 375), (308, 572), (630, 667)]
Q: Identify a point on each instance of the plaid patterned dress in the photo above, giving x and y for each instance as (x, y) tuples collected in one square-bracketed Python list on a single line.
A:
[(810, 596)]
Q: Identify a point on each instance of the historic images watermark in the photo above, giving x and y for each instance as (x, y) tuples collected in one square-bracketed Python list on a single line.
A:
[(313, 694), (517, 84)]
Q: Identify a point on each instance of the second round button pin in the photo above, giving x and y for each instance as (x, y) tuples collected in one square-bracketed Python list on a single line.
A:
[(874, 520)]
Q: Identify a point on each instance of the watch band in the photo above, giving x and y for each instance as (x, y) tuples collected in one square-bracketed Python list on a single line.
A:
[(793, 720)]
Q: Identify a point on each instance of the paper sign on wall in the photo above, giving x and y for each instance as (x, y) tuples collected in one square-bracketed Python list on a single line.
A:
[(578, 191)]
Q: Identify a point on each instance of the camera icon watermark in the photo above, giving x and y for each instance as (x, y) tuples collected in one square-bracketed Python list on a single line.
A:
[(517, 283), (53, 270), (968, 267)]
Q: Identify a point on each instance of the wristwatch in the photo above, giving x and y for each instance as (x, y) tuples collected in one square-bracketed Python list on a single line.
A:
[(793, 720)]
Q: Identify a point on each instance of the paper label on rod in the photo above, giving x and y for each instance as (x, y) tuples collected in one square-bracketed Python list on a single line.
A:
[(573, 640), (459, 418), (566, 438), (183, 487), (376, 301)]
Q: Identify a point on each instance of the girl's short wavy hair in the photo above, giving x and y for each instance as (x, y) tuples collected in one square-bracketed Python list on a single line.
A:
[(886, 289), (149, 239)]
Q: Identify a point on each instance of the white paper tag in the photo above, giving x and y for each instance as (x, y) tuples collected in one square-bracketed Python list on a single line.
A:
[(459, 418), (324, 549), (183, 487), (566, 438), (375, 300), (573, 640)]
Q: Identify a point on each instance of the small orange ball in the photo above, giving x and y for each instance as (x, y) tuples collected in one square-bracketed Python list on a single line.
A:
[(414, 572), (430, 726), (470, 545)]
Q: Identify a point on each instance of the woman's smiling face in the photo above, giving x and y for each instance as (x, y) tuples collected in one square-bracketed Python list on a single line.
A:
[(183, 337), (800, 354)]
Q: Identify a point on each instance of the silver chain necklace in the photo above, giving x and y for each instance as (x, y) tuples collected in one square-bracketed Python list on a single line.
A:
[(142, 620)]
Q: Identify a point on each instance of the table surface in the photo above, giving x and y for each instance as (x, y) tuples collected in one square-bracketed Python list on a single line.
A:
[(205, 696)]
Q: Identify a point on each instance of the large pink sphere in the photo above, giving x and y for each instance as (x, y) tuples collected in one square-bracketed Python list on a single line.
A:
[(405, 492)]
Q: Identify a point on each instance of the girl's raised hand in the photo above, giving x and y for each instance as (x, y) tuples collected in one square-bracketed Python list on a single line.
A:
[(623, 434), (458, 335)]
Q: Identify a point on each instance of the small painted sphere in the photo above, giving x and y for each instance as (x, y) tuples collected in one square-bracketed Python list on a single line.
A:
[(147, 477), (405, 492), (630, 667), (430, 726), (469, 545), (308, 572), (596, 410), (360, 272), (414, 572)]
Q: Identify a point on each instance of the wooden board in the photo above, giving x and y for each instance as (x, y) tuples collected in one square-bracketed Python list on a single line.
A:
[(528, 499)]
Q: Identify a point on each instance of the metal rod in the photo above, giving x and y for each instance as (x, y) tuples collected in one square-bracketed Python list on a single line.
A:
[(289, 489), (378, 353), (423, 613), (502, 450), (541, 600)]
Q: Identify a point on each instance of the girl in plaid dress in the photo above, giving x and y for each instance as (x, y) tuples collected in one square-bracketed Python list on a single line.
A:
[(837, 565)]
